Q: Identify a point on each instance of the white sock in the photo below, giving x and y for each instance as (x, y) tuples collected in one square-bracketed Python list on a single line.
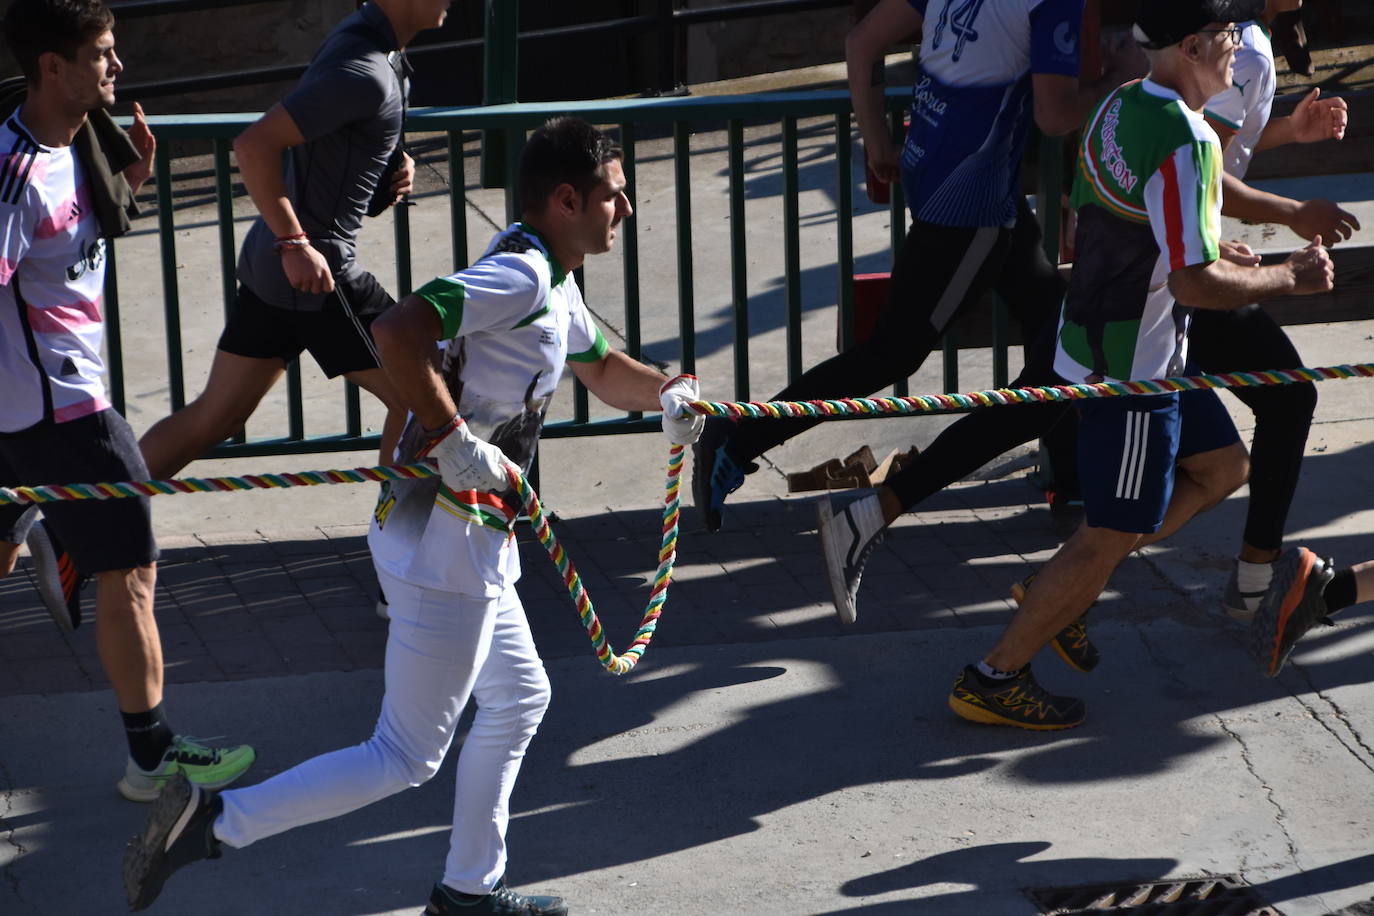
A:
[(987, 670), (1253, 578)]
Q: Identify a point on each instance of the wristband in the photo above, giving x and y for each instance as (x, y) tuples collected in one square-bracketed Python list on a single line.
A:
[(295, 240), (448, 427)]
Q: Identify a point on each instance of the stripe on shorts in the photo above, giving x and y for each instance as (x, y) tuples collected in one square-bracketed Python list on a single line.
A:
[(1133, 451)]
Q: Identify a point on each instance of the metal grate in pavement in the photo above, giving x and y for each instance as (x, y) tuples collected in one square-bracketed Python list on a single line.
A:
[(1212, 895)]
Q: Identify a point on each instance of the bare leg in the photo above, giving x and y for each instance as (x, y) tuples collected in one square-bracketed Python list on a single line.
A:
[(1364, 581), (1200, 482), (1076, 575), (236, 386), (1062, 591), (126, 636), (9, 555), (379, 385)]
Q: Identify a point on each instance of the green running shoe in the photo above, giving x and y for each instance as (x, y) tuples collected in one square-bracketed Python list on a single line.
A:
[(1017, 701), (1071, 643), (207, 767)]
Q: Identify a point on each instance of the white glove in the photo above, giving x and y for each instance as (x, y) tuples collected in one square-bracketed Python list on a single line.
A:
[(681, 425), (465, 461)]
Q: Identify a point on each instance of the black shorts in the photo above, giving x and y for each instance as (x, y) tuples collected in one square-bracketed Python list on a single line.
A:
[(337, 336), (100, 534)]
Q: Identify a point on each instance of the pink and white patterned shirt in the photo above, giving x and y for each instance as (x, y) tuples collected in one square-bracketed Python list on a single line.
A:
[(52, 280)]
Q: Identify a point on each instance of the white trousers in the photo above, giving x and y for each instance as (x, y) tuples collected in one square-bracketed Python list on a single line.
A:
[(442, 648)]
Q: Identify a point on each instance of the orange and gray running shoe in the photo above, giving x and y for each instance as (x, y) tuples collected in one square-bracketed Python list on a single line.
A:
[(58, 581), (1071, 643), (1291, 606)]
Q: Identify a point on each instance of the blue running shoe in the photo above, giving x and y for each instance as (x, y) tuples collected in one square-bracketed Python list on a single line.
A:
[(715, 475)]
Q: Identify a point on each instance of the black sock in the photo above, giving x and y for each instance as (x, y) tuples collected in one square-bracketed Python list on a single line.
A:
[(149, 736), (1340, 591)]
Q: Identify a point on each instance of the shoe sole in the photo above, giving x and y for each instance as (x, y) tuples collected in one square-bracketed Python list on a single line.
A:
[(1018, 594), (142, 881), (839, 592), (45, 555), (1270, 643), (701, 486), (984, 716)]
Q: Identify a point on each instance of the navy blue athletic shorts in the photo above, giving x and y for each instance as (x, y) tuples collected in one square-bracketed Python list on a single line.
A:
[(1127, 449)]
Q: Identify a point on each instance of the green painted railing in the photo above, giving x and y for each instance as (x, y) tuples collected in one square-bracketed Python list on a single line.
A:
[(671, 119)]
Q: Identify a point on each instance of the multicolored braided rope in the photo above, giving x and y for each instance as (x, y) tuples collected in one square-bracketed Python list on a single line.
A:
[(658, 595), (128, 488), (1000, 397), (616, 664)]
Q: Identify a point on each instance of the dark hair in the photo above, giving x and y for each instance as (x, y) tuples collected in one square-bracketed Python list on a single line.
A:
[(34, 27), (566, 150)]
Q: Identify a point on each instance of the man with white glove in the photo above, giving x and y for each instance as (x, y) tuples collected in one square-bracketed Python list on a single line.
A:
[(465, 462), (680, 424), (444, 547)]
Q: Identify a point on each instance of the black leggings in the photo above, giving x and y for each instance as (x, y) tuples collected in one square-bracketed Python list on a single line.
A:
[(979, 437), (1248, 339), (938, 273)]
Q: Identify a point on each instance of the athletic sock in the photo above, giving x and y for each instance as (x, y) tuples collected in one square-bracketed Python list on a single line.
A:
[(149, 736), (1340, 591), (1253, 578), (989, 673)]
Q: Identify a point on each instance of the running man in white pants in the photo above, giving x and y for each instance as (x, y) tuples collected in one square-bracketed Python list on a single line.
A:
[(444, 550)]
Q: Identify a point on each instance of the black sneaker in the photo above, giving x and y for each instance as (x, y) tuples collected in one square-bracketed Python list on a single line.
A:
[(1017, 701), (1071, 643), (180, 831), (847, 541), (445, 901), (58, 581), (1290, 607), (715, 475)]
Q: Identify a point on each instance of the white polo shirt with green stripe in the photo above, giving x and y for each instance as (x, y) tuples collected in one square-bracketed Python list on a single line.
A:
[(510, 323), (1148, 196)]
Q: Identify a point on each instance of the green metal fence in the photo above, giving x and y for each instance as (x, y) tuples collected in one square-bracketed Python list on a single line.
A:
[(666, 120)]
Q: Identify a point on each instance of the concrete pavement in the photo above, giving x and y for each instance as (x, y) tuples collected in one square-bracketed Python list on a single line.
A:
[(763, 759)]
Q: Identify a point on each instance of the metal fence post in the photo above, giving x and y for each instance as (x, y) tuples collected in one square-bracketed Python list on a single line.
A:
[(500, 73), (668, 46)]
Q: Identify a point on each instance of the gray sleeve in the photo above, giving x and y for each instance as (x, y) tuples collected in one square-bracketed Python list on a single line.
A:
[(337, 95)]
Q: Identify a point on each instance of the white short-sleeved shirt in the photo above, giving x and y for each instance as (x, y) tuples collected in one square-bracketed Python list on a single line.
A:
[(52, 282), (1245, 107), (510, 323)]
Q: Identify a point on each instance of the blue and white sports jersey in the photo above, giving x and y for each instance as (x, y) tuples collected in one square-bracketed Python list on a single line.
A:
[(971, 105)]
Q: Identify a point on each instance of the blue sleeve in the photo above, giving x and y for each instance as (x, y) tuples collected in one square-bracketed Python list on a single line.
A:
[(919, 6), (1054, 37)]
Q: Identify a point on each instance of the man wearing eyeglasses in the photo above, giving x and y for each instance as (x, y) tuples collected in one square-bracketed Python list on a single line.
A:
[(1148, 195), (1248, 337)]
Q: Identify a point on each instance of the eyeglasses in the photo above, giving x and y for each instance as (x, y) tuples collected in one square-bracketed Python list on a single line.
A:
[(1233, 33)]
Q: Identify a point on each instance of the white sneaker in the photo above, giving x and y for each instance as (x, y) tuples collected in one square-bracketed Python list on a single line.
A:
[(847, 539)]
